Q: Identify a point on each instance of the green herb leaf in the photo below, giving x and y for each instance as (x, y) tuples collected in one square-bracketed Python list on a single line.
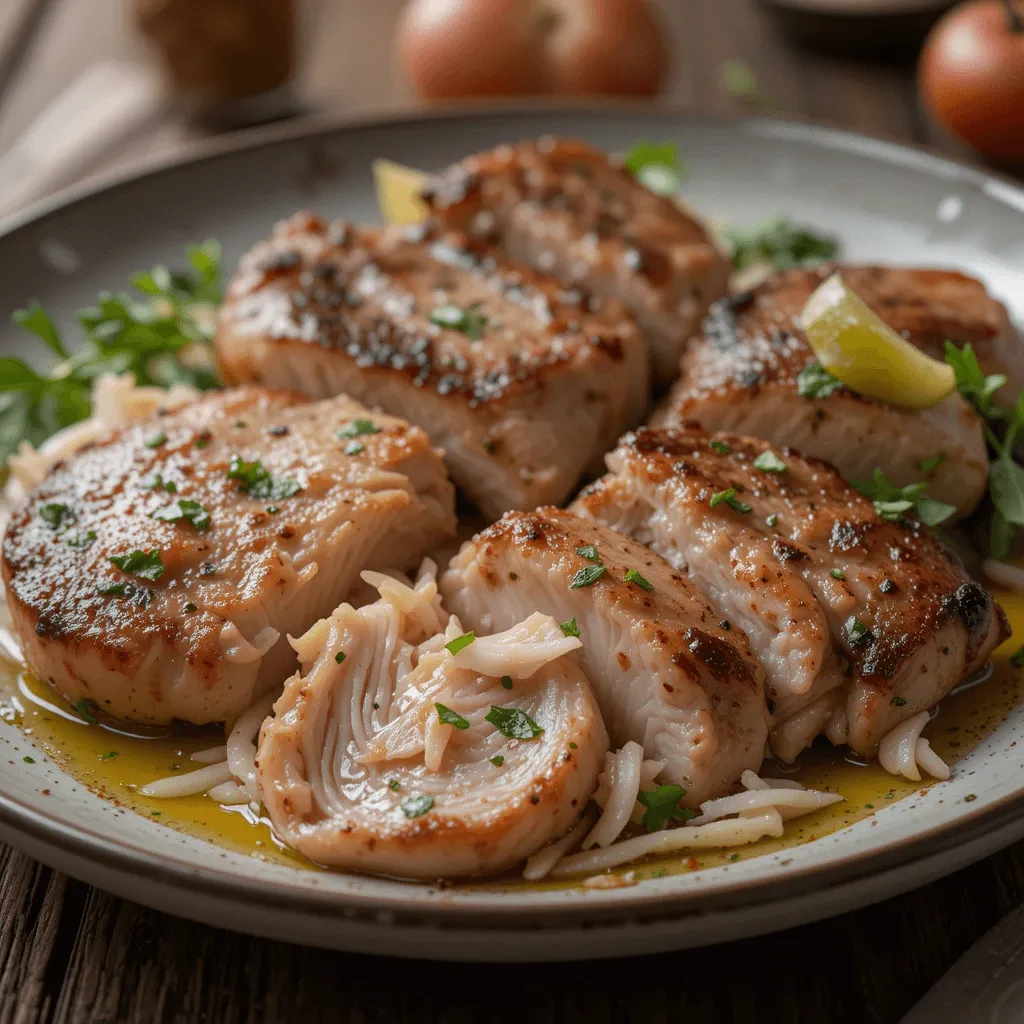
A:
[(87, 709), (663, 806), (656, 165), (498, 760), (155, 440), (728, 496), (506, 682), (358, 428), (460, 643), (339, 657), (158, 483), (256, 481), (394, 785), (740, 82), (899, 701), (53, 514), (80, 538), (29, 760), (446, 716), (721, 447), (569, 628), (417, 805), (928, 465), (183, 509), (108, 756), (769, 462), (815, 381), (587, 576), (892, 502), (778, 241), (469, 320), (354, 448), (514, 723), (147, 565), (191, 606), (856, 631), (632, 576), (37, 321), (112, 589), (1017, 658), (837, 574), (772, 519), (590, 552)]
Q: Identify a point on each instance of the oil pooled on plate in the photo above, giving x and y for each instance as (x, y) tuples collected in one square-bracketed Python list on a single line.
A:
[(115, 762)]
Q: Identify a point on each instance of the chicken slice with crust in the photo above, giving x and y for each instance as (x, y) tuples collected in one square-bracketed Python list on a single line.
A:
[(666, 672), (157, 572), (742, 374), (389, 753), (523, 385), (565, 208), (860, 622)]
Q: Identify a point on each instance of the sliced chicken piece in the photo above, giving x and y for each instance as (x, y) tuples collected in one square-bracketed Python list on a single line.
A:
[(157, 572), (567, 209), (523, 385), (388, 753), (860, 623), (741, 375), (667, 673)]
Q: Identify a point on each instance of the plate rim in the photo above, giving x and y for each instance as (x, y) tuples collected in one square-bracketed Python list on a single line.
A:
[(654, 902)]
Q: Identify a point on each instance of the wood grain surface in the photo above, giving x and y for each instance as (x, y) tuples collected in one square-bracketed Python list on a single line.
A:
[(74, 955)]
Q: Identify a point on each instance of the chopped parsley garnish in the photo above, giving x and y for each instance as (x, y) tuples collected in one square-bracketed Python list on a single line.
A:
[(506, 682), (590, 552), (80, 538), (354, 448), (1001, 426), (108, 756), (339, 657), (498, 760), (778, 241), (358, 428), (632, 576), (469, 320), (155, 440), (815, 381), (513, 723), (145, 335), (158, 483), (460, 643), (721, 447), (394, 785), (663, 806), (112, 589), (587, 576), (927, 465), (446, 716), (147, 565), (569, 628), (1017, 658), (417, 805), (892, 502), (29, 760), (87, 709), (183, 508), (769, 462), (970, 798), (837, 574), (734, 857), (856, 631), (772, 519), (190, 607), (899, 701), (656, 165), (729, 497), (572, 746), (53, 514), (272, 510), (256, 481)]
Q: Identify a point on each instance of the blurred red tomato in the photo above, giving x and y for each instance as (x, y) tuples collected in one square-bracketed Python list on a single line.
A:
[(971, 76), (454, 48)]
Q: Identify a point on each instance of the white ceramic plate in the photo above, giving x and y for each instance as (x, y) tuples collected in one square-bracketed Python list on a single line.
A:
[(885, 202)]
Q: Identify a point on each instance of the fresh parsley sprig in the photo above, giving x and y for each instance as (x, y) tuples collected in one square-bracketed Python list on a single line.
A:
[(163, 335), (657, 166), (893, 503), (780, 242)]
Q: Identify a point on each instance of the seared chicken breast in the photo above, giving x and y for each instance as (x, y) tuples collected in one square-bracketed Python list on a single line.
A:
[(741, 375), (859, 622), (390, 752), (523, 384), (666, 670), (156, 573), (565, 208)]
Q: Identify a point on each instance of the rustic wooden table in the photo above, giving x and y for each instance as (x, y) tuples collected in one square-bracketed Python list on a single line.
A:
[(69, 953)]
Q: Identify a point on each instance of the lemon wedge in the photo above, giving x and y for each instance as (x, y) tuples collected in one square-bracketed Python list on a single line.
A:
[(858, 348), (398, 192)]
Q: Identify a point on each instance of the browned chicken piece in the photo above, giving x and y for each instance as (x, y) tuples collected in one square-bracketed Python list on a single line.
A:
[(859, 622), (741, 375), (666, 671), (157, 573), (567, 209), (524, 385)]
